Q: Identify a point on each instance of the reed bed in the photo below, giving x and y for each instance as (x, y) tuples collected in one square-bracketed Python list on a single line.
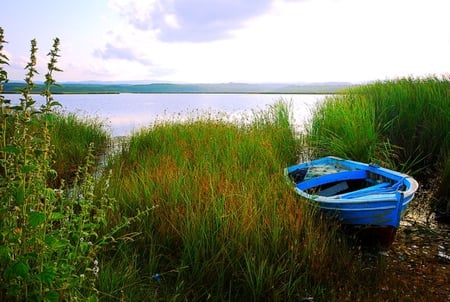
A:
[(223, 223), (402, 124), (414, 115), (408, 118)]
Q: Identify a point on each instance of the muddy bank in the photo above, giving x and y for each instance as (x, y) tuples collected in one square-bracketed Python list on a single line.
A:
[(419, 259)]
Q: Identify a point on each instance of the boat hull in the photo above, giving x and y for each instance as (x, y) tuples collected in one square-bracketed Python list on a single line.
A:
[(383, 212), (379, 199)]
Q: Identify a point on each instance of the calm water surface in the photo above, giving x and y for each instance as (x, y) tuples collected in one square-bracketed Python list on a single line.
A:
[(125, 113)]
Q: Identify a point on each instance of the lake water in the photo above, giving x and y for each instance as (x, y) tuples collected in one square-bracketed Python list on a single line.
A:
[(125, 113)]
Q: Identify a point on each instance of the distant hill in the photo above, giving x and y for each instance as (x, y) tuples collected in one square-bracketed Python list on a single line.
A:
[(101, 88)]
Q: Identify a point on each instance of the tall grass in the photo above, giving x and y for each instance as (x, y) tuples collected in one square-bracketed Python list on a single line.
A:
[(345, 126), (224, 225), (413, 114), (72, 137), (402, 124)]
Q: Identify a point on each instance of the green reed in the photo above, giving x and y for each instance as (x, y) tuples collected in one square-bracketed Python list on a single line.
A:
[(409, 115), (71, 150), (225, 225), (402, 124), (415, 116), (345, 127)]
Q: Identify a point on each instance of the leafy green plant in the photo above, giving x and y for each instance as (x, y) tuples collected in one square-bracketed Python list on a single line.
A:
[(50, 238), (4, 103)]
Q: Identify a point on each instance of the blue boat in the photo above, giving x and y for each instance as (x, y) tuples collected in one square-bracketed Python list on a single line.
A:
[(359, 194)]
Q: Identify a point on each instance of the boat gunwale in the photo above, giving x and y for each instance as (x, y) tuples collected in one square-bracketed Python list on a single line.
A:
[(411, 183), (354, 201)]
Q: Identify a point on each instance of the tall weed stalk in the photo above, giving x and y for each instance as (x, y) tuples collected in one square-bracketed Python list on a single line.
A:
[(49, 238)]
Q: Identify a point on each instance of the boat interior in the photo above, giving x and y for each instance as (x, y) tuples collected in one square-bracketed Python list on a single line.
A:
[(344, 184)]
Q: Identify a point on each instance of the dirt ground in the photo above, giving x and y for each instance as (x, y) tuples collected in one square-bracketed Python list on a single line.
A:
[(420, 254)]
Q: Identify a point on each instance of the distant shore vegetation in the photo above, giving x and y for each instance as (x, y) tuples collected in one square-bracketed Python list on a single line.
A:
[(108, 88)]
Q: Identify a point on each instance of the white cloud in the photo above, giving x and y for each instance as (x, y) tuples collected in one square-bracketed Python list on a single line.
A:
[(189, 21), (277, 40), (136, 12), (172, 21), (238, 40), (269, 41)]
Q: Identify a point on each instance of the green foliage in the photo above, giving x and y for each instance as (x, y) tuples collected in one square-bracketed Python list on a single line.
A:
[(3, 61), (413, 115), (49, 238)]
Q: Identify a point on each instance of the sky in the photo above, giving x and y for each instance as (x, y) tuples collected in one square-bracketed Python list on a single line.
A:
[(221, 41)]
